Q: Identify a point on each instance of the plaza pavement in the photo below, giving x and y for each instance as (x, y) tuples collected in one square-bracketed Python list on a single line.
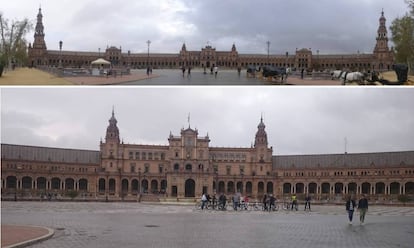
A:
[(26, 76), (118, 224), (32, 76)]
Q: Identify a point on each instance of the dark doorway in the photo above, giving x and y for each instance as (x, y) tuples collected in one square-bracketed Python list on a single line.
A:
[(189, 188)]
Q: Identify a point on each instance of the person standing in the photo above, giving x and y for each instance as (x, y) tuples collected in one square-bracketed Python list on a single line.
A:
[(307, 202), (215, 71), (236, 201), (350, 207), (363, 208)]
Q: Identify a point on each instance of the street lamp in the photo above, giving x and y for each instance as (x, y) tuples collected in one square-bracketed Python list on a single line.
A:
[(139, 185), (287, 57), (99, 49), (148, 43), (317, 52), (268, 51), (60, 53)]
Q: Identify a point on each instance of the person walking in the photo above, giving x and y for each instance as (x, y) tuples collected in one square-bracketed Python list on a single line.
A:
[(264, 201), (272, 203), (294, 202), (307, 202), (215, 71), (363, 208), (189, 72), (203, 201), (350, 207), (183, 69)]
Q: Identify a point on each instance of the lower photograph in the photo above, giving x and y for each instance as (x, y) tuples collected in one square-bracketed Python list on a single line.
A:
[(207, 167)]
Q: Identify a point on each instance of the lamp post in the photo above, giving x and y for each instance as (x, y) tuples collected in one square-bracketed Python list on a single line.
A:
[(99, 50), (287, 56), (60, 54), (268, 51), (148, 43), (139, 185), (317, 52)]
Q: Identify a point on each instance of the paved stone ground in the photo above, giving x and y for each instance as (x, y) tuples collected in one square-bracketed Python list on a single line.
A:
[(144, 225), (224, 77), (26, 76)]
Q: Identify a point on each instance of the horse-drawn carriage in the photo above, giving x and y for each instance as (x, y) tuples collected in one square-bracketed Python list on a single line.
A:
[(274, 73)]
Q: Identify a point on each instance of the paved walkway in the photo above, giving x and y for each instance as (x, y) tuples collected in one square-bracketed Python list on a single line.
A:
[(109, 80), (32, 76), (120, 224), (26, 76), (21, 236)]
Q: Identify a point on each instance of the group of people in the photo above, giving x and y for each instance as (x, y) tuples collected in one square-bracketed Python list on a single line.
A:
[(213, 70), (269, 204), (207, 200), (362, 206)]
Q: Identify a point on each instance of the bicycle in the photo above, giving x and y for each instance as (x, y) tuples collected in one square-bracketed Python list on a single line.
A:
[(207, 205)]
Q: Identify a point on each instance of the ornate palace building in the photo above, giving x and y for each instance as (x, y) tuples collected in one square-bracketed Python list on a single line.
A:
[(381, 59), (189, 166)]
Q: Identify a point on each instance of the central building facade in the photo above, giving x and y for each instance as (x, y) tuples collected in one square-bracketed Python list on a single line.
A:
[(189, 165)]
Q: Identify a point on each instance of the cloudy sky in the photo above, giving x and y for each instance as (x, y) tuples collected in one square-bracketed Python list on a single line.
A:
[(298, 120), (340, 26)]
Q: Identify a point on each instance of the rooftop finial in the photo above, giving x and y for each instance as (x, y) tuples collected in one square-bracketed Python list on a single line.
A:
[(188, 119), (113, 110)]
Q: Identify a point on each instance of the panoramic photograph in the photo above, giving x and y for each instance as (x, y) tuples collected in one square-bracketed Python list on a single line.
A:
[(183, 42), (174, 123)]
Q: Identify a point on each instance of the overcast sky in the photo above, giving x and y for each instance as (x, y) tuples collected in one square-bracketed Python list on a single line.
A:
[(340, 26), (298, 120)]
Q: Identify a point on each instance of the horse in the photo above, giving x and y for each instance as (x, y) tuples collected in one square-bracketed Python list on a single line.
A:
[(336, 74), (353, 77)]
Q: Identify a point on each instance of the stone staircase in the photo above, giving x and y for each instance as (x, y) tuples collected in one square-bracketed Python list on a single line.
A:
[(150, 198)]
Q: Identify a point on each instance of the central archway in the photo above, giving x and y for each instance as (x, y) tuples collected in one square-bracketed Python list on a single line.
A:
[(189, 188)]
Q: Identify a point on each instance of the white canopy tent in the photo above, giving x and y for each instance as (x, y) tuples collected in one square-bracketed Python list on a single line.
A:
[(98, 65), (100, 61)]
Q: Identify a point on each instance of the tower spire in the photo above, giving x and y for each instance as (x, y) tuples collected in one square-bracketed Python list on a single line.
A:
[(381, 51), (112, 131), (261, 135)]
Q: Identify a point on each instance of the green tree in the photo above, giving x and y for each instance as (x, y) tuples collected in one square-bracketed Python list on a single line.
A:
[(403, 37), (411, 5), (13, 45)]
